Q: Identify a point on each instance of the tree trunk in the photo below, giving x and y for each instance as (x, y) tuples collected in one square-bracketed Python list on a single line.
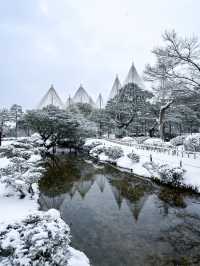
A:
[(162, 119), (180, 129), (0, 137), (100, 129)]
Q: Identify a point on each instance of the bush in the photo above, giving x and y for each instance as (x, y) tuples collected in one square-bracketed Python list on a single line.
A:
[(114, 152), (134, 157), (140, 140), (177, 141), (128, 139), (92, 144), (98, 150), (171, 175), (40, 239), (192, 143), (157, 142), (24, 169)]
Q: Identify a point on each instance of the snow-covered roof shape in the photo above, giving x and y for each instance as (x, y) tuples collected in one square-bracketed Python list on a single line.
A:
[(51, 98), (133, 77), (99, 101), (115, 88), (52, 202), (81, 96), (101, 182), (136, 207), (117, 196), (84, 186), (69, 102)]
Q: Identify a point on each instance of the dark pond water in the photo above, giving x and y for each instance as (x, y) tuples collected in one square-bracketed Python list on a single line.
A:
[(120, 220)]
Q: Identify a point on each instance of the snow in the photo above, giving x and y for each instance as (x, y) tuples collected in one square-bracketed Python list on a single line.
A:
[(77, 258), (190, 165), (128, 139), (4, 162), (34, 158), (157, 142), (17, 173), (13, 208), (10, 124)]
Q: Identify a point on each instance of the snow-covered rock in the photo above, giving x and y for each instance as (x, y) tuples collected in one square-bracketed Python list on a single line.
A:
[(77, 258)]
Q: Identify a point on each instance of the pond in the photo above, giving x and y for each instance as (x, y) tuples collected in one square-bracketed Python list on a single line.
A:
[(119, 219)]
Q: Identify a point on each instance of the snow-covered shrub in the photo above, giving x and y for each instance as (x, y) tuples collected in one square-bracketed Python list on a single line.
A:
[(26, 154), (171, 175), (177, 141), (128, 139), (91, 144), (40, 239), (114, 152), (192, 143), (6, 151), (23, 169), (134, 157), (98, 150), (157, 142), (22, 145), (140, 140)]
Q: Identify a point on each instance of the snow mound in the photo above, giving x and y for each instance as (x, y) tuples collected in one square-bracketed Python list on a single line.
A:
[(77, 258), (42, 238), (157, 142)]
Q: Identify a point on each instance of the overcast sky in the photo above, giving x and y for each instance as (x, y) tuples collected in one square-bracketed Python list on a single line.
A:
[(68, 42)]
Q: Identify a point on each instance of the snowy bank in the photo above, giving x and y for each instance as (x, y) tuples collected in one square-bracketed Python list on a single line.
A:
[(29, 236), (164, 167), (42, 238)]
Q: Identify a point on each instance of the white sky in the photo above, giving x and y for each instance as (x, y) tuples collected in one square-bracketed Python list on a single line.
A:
[(68, 42)]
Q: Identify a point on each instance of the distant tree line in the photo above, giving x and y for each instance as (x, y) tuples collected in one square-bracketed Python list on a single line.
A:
[(168, 108)]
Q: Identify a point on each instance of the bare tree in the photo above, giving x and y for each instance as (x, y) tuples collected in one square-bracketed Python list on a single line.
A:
[(176, 72), (163, 88), (182, 56)]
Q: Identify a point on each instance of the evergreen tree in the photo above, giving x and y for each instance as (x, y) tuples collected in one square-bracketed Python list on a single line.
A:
[(130, 104), (3, 118)]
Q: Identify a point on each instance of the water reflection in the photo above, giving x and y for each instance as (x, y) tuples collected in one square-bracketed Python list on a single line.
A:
[(116, 218)]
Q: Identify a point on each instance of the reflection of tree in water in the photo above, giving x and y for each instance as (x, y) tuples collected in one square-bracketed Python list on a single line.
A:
[(101, 181), (133, 190), (185, 239), (172, 197), (65, 175), (51, 202), (58, 177)]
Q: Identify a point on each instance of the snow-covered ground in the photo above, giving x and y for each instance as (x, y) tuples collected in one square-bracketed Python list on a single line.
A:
[(14, 208), (190, 165)]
